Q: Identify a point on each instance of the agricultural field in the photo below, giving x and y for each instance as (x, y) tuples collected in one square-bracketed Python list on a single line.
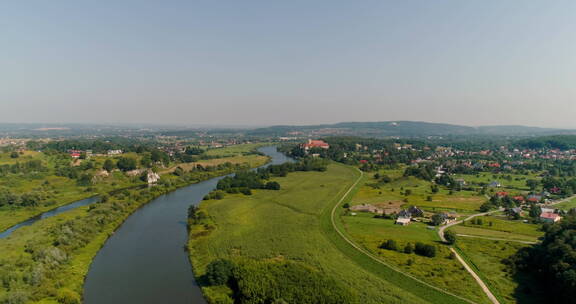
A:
[(284, 226), (486, 258)]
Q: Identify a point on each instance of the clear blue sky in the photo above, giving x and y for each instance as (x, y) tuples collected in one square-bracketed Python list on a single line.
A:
[(289, 62)]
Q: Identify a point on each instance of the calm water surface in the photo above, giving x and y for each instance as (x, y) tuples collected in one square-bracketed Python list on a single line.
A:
[(145, 261)]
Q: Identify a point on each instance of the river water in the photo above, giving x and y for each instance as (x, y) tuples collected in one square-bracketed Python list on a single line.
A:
[(145, 261)]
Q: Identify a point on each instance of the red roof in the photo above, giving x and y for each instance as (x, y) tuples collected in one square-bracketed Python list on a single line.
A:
[(502, 193), (316, 144), (533, 199), (75, 154), (549, 215), (519, 198)]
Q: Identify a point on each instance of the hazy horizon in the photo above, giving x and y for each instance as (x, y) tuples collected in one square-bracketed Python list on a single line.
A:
[(258, 63)]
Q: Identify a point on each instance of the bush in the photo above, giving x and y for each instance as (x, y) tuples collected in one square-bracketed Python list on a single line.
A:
[(272, 186), (408, 248), (67, 296), (425, 250), (219, 272), (390, 245)]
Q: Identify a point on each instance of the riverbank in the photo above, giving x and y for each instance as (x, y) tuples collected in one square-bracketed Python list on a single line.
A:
[(54, 255)]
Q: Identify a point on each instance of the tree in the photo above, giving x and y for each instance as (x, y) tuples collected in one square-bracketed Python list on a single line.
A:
[(437, 219), (14, 154), (532, 184), (408, 248), (126, 163), (219, 272), (535, 211), (109, 165), (450, 237), (390, 245)]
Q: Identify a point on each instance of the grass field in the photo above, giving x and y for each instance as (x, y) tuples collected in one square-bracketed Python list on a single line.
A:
[(235, 150), (295, 224), (464, 202), (252, 160), (485, 257), (501, 224), (566, 205), (515, 182), (286, 224)]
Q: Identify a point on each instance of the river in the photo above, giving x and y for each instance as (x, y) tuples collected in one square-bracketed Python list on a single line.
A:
[(145, 260)]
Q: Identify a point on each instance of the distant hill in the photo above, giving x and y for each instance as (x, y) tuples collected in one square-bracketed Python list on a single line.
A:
[(403, 129)]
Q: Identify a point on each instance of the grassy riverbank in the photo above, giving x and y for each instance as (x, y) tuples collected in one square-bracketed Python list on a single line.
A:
[(47, 261)]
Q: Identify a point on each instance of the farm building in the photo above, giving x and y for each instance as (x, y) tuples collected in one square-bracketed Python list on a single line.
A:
[(549, 217), (402, 221)]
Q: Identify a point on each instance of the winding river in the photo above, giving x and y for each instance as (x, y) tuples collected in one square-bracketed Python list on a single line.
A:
[(145, 261)]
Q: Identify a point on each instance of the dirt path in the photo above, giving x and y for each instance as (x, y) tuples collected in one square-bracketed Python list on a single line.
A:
[(368, 254), (474, 275)]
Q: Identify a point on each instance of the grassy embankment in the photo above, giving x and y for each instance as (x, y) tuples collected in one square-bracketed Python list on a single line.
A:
[(295, 224), (66, 238)]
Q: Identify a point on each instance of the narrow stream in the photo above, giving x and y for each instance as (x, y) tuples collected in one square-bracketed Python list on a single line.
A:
[(145, 261)]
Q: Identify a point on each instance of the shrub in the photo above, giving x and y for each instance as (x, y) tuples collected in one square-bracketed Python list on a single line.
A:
[(390, 245), (272, 186), (425, 250), (408, 248), (219, 272)]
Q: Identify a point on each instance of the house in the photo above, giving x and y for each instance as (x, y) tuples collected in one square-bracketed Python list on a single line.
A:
[(315, 144), (495, 184), (402, 221), (548, 210), (534, 198), (519, 199), (405, 213), (502, 194), (152, 177), (515, 211), (114, 152), (415, 211), (549, 217)]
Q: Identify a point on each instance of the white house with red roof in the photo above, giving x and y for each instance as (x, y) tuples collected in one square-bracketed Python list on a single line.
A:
[(549, 217)]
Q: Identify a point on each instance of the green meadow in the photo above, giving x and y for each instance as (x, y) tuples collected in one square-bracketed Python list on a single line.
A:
[(294, 224), (285, 225), (486, 258)]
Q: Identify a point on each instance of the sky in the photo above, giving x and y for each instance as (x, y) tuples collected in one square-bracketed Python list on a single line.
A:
[(253, 63)]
